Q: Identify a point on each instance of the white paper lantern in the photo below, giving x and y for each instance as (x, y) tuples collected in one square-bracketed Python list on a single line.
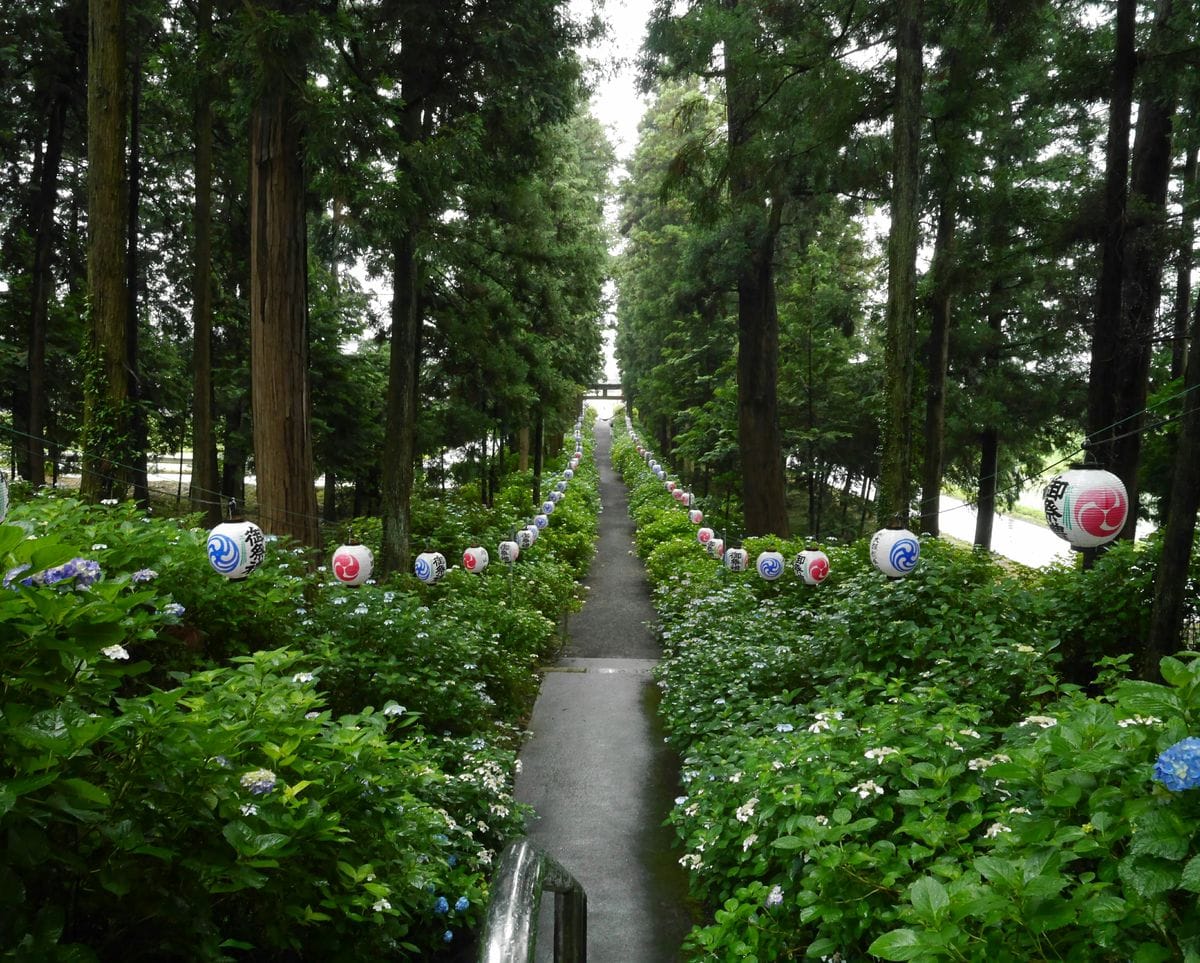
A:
[(1086, 506), (895, 551), (678, 494), (548, 506), (560, 487), (235, 549), (555, 497), (475, 559), (811, 565), (525, 538), (509, 552), (716, 548), (736, 559), (695, 516), (670, 485), (687, 499), (533, 530), (568, 475), (430, 567), (661, 473), (769, 565), (541, 521), (704, 535), (352, 564)]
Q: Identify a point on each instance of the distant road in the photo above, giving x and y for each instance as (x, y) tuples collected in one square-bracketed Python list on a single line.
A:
[(1022, 541)]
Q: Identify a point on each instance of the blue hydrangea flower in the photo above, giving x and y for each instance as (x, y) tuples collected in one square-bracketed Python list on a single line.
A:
[(144, 575), (461, 904), (1178, 767), (259, 781), (174, 608), (441, 905)]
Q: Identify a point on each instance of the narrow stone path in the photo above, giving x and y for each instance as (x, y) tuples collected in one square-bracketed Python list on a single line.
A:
[(595, 768)]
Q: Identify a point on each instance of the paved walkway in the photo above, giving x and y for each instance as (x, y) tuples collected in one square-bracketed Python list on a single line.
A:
[(595, 767)]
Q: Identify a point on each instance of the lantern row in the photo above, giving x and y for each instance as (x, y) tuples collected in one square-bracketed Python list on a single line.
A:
[(237, 548), (894, 551)]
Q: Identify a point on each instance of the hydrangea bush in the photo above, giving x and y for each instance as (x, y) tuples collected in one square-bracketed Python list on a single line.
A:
[(276, 768), (896, 770)]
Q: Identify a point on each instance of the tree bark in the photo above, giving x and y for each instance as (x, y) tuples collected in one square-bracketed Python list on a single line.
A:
[(287, 503), (937, 360), (895, 475), (106, 405), (41, 283), (204, 483), (1185, 257), (764, 486), (137, 414), (1170, 581)]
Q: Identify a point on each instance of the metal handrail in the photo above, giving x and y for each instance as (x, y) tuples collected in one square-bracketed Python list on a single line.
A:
[(510, 929)]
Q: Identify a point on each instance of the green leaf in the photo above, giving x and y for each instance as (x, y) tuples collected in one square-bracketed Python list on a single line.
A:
[(1175, 672), (901, 944), (929, 899), (1148, 876), (788, 843), (1191, 875)]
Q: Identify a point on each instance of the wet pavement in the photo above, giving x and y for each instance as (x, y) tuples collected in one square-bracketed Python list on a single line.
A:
[(595, 767)]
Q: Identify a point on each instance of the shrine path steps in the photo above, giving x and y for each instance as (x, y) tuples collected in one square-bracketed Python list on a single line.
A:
[(595, 767)]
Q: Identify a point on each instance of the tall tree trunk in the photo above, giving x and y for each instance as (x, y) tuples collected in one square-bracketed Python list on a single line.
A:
[(539, 428), (399, 448), (106, 404), (937, 360), (758, 215), (137, 414), (1170, 581), (203, 492), (985, 500), (523, 448), (1146, 255), (287, 503), (41, 283), (1185, 257), (895, 475)]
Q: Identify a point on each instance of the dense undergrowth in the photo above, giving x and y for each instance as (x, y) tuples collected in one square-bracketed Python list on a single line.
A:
[(896, 770), (282, 768)]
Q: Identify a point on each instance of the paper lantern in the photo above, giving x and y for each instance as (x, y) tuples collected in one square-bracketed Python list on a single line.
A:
[(548, 506), (895, 551), (811, 565), (687, 499), (641, 450), (3, 496), (235, 549), (560, 487), (704, 535), (475, 559), (430, 567), (695, 516), (678, 494), (716, 548), (509, 552), (541, 521), (661, 473), (525, 538), (769, 565), (568, 475), (555, 497), (736, 559), (670, 485), (533, 531), (352, 564), (1086, 506)]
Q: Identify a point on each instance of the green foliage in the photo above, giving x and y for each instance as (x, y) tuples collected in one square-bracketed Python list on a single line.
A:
[(896, 768), (280, 766)]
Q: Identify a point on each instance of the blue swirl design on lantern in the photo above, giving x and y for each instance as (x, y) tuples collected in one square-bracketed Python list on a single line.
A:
[(903, 555), (770, 567), (224, 554), (421, 569)]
